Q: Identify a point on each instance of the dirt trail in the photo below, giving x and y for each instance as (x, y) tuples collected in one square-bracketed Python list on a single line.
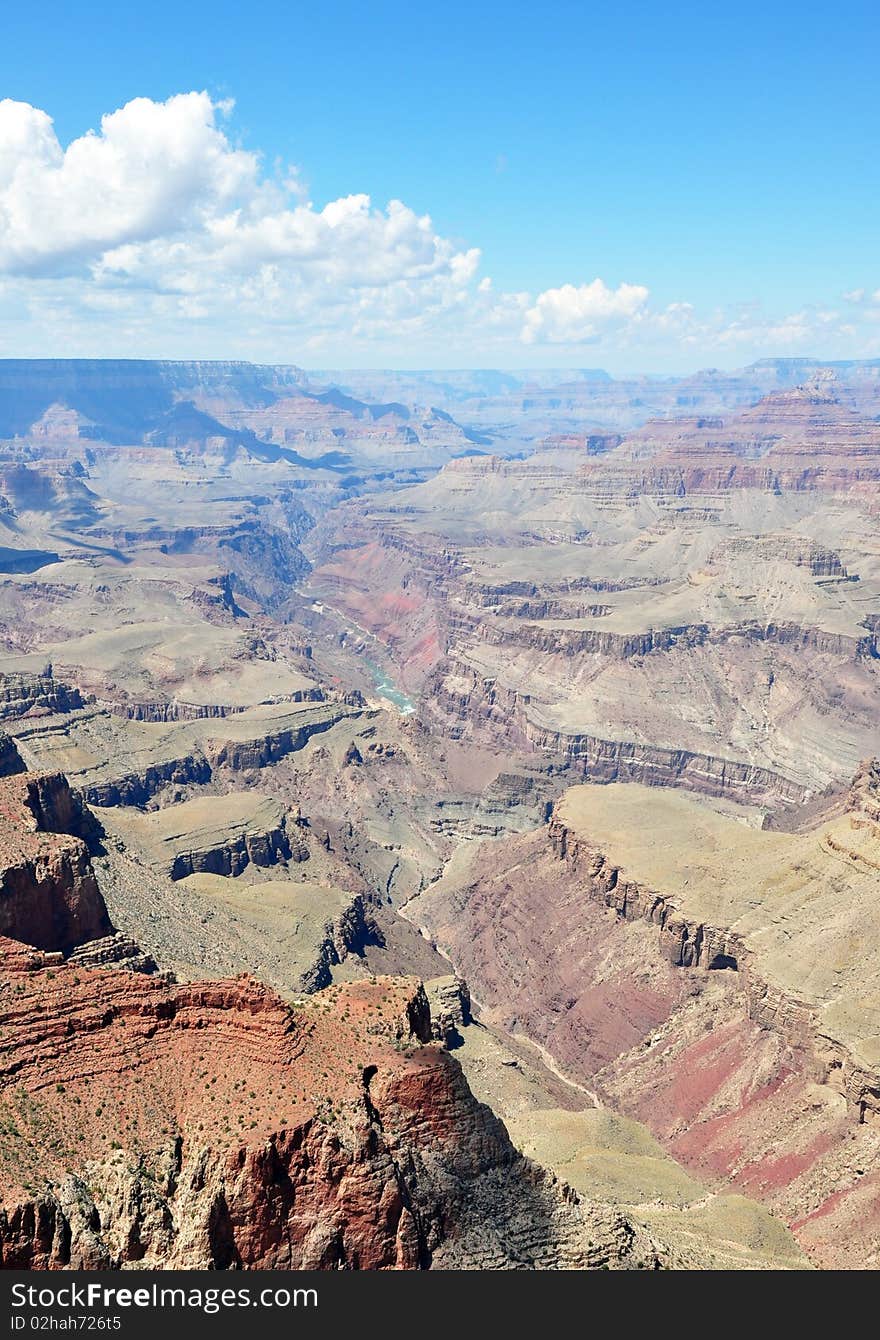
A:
[(550, 1063), (547, 1059)]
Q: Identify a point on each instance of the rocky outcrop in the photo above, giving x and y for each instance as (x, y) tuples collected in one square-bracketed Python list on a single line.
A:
[(574, 641), (48, 799), (330, 1136), (213, 835), (140, 766), (49, 896), (511, 803), (25, 695), (540, 594), (549, 607), (819, 560), (450, 1000), (686, 943), (139, 786), (569, 640), (176, 710), (117, 950), (234, 853), (863, 800), (349, 932), (263, 749), (48, 893), (11, 761)]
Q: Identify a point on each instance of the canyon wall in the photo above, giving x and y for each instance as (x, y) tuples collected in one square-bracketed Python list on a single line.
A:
[(48, 894)]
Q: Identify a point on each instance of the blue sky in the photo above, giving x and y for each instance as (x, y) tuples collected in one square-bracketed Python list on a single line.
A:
[(715, 169)]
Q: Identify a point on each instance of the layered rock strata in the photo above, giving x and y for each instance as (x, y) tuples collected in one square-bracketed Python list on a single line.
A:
[(236, 1132), (714, 980)]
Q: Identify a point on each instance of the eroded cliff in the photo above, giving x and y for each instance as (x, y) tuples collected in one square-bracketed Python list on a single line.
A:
[(716, 981)]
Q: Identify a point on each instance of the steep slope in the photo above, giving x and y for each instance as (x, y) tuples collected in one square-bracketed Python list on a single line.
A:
[(48, 896), (718, 982), (213, 1126)]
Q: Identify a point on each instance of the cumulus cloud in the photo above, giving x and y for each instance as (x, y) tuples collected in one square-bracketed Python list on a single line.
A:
[(158, 234), (570, 315), (154, 169), (160, 204)]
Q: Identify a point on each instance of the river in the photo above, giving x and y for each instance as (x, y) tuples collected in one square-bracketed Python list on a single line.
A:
[(386, 688), (383, 683)]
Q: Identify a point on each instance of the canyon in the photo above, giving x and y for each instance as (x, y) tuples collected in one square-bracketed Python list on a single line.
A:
[(216, 1125), (654, 612), (466, 782)]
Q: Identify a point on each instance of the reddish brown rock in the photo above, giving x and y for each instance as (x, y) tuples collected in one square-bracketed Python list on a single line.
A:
[(800, 438), (49, 897), (677, 1020), (211, 1125)]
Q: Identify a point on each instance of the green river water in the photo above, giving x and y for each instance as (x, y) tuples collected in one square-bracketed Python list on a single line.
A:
[(386, 688)]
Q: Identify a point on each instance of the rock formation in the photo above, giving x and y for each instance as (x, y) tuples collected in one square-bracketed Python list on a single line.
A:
[(583, 704), (697, 972), (236, 1132), (48, 896), (678, 601)]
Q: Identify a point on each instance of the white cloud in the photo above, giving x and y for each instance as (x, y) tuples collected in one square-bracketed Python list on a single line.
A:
[(161, 205), (158, 235), (570, 315), (154, 169)]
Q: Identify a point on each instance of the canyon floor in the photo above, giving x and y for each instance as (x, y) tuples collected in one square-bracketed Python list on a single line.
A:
[(439, 828)]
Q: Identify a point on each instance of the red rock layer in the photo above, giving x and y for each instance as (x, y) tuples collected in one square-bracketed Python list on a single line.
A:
[(211, 1125), (803, 438), (735, 1082)]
